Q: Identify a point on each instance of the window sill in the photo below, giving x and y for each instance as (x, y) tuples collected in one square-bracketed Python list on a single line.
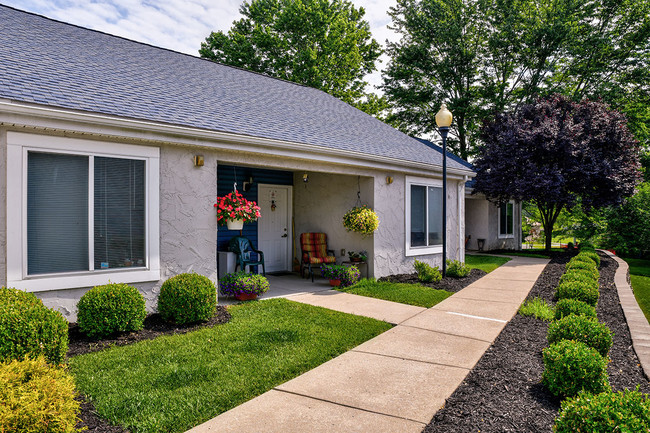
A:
[(68, 281), (421, 251), (506, 236)]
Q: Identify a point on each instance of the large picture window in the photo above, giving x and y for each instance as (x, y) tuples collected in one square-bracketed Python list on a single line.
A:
[(90, 211), (506, 219), (424, 217)]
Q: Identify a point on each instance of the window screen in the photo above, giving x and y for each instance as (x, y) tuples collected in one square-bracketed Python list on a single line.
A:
[(426, 216), (506, 219)]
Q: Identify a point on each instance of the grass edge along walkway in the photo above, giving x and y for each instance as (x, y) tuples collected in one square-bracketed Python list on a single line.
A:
[(173, 383), (416, 294), (640, 281)]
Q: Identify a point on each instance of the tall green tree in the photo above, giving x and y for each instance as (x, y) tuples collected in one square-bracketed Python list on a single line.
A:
[(324, 44), (486, 56)]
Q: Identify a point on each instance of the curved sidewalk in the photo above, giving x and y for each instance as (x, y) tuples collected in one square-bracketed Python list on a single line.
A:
[(396, 381), (636, 320)]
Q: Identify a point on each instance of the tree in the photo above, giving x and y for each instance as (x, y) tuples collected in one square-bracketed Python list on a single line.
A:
[(324, 44), (556, 153), (627, 225), (486, 56)]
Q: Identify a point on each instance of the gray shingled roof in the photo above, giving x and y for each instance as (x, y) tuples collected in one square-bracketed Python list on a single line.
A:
[(47, 62)]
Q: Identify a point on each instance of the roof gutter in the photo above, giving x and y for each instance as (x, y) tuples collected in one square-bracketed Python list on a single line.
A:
[(198, 136)]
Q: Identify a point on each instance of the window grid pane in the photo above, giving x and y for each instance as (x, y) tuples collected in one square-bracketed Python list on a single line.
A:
[(418, 216), (57, 213), (119, 207), (435, 216)]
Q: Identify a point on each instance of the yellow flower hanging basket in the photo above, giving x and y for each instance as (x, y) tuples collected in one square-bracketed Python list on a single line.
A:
[(361, 220)]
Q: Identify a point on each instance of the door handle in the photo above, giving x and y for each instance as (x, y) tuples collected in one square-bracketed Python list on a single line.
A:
[(285, 235)]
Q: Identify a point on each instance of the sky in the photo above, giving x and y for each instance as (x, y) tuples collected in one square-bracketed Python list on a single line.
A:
[(179, 25)]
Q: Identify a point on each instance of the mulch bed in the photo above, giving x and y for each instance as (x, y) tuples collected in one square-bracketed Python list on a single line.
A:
[(448, 284), (503, 394), (154, 326)]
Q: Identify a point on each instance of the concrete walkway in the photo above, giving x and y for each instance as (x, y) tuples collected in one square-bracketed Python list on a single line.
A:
[(636, 320), (396, 381)]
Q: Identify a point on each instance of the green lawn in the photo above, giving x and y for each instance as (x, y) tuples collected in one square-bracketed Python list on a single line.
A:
[(404, 293), (485, 263), (640, 279), (173, 383)]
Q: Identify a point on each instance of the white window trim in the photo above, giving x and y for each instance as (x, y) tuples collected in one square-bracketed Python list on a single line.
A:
[(503, 235), (409, 250), (18, 144)]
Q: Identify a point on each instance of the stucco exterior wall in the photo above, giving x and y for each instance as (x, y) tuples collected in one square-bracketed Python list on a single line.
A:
[(3, 207), (477, 221)]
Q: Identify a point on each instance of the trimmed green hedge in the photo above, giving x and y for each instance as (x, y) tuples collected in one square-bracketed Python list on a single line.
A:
[(581, 328), (105, 310), (567, 306), (187, 298), (27, 327), (571, 367), (625, 411), (585, 292)]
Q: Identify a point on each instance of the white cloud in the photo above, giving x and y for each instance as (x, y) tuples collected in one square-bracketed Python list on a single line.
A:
[(179, 25)]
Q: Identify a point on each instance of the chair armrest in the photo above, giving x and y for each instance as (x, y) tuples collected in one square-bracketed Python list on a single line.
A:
[(331, 253)]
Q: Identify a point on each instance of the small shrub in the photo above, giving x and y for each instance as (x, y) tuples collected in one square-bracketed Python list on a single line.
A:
[(187, 298), (589, 268), (579, 275), (36, 398), (587, 246), (537, 308), (571, 367), (457, 269), (334, 272), (583, 258), (427, 273), (576, 290), (27, 327), (105, 310), (624, 411), (581, 328), (567, 306), (591, 255)]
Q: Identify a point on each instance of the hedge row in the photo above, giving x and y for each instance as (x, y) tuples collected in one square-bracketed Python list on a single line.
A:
[(575, 363)]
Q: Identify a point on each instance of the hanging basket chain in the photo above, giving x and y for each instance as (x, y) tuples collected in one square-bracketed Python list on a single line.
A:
[(359, 192)]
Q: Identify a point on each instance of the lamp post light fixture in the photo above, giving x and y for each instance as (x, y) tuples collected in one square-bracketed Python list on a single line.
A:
[(443, 120)]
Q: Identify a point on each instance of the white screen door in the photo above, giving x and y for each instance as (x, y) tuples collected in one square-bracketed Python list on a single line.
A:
[(274, 227)]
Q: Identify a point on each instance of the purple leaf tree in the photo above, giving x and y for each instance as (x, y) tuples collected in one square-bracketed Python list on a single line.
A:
[(556, 153)]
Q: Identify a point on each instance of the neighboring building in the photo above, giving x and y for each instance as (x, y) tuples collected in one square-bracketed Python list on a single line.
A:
[(100, 180), (488, 226)]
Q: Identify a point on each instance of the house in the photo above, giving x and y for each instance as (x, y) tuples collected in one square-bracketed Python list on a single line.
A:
[(488, 226), (114, 153)]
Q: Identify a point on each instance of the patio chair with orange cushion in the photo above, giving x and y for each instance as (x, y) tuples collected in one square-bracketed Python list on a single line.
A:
[(314, 252)]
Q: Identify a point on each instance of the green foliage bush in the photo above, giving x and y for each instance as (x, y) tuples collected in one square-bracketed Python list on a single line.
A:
[(27, 327), (537, 308), (581, 328), (36, 398), (427, 273), (587, 293), (590, 255), (567, 306), (627, 225), (624, 411), (457, 269), (571, 367), (580, 275), (187, 298), (588, 268), (105, 310), (236, 283), (582, 258)]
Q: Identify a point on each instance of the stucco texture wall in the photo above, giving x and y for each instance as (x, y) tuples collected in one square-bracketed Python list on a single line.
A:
[(3, 207)]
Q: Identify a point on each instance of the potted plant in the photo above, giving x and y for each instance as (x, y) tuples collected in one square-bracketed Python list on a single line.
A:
[(362, 220), (234, 210), (340, 275), (243, 286), (361, 256)]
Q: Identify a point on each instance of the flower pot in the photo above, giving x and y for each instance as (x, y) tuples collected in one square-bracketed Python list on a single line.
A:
[(335, 283), (246, 296), (355, 259), (235, 224)]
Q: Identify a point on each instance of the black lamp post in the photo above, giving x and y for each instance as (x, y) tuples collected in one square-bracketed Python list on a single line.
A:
[(443, 120)]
